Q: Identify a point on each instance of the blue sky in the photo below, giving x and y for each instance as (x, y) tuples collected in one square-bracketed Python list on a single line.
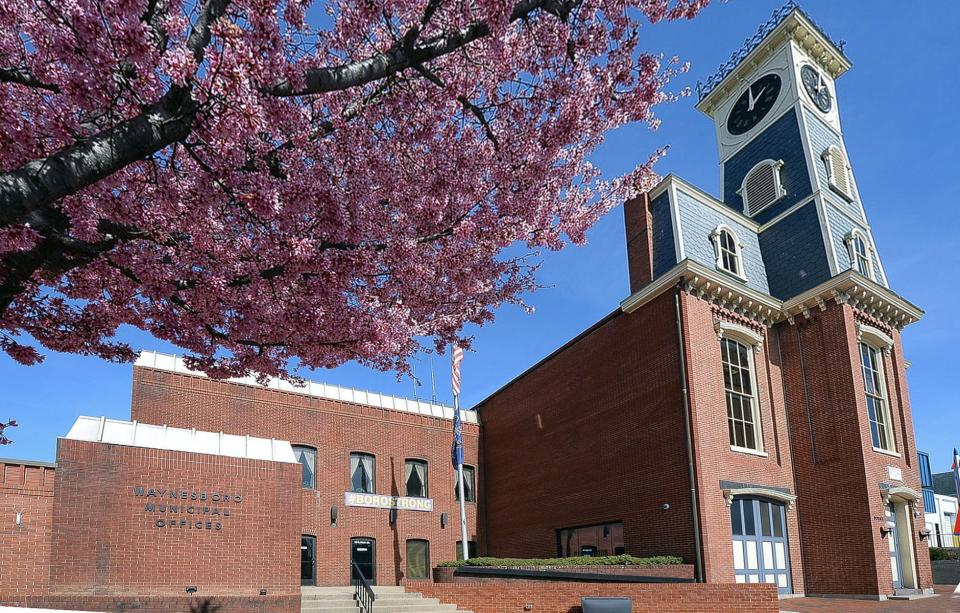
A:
[(898, 108)]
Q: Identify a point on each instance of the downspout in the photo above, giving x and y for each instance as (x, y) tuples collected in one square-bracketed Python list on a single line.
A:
[(687, 427)]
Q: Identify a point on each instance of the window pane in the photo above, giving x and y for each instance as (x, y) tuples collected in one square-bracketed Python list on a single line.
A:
[(735, 518), (748, 523), (472, 550), (418, 556), (468, 484), (416, 478), (777, 519), (362, 476), (765, 519), (307, 456)]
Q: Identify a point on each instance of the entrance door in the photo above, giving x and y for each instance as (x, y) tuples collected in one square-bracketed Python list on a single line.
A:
[(363, 554), (308, 560), (760, 550), (893, 540)]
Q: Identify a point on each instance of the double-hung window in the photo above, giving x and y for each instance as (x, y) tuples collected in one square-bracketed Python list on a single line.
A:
[(875, 389), (743, 416)]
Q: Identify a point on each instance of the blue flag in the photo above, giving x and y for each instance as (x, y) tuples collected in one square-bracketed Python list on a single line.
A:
[(456, 451)]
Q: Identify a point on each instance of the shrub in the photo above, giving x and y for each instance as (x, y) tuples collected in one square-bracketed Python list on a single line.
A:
[(944, 553), (624, 560)]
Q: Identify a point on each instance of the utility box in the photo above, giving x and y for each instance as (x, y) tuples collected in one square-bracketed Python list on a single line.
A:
[(606, 605)]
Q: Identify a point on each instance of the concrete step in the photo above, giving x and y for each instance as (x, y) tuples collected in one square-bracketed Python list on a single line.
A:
[(349, 595)]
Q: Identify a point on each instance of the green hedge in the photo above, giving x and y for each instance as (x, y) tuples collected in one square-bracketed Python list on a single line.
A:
[(566, 562), (943, 553)]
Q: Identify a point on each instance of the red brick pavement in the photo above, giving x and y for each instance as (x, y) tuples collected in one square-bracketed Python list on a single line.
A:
[(945, 602)]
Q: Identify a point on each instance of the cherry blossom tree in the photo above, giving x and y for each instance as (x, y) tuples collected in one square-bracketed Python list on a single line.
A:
[(263, 180)]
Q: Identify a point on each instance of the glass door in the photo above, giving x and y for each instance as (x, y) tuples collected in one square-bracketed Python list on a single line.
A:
[(308, 560), (363, 554)]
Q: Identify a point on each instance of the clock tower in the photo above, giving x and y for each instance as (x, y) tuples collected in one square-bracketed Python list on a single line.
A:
[(783, 160)]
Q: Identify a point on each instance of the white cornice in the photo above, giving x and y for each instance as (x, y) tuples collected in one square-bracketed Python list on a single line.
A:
[(862, 294), (848, 287), (796, 27)]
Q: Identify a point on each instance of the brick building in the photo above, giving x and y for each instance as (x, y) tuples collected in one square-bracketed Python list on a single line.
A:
[(745, 407)]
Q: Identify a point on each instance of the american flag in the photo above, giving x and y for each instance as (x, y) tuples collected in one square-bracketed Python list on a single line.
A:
[(456, 450), (457, 358)]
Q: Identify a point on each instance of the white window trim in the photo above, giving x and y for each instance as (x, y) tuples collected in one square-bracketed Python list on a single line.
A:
[(745, 336), (883, 353), (851, 253), (777, 185), (715, 239), (827, 157), (875, 337)]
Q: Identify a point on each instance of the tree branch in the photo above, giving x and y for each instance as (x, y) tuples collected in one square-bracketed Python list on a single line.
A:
[(400, 56), (24, 77)]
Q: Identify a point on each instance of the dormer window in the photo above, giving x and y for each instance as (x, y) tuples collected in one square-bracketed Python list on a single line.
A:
[(838, 171), (727, 248), (761, 186), (860, 253)]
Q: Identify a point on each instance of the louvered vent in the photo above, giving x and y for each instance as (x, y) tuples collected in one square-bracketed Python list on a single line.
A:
[(839, 177), (762, 187)]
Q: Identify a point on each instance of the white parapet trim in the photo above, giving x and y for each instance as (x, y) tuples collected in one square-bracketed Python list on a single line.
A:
[(173, 363), (136, 434)]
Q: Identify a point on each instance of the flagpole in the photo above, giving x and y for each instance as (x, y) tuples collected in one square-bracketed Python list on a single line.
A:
[(456, 356), (463, 507)]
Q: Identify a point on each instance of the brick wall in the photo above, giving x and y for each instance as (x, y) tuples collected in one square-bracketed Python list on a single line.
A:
[(839, 474), (552, 597), (108, 539), (25, 549), (334, 429), (716, 461), (593, 434)]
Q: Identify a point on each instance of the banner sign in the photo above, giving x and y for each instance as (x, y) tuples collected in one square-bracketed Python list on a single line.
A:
[(380, 501)]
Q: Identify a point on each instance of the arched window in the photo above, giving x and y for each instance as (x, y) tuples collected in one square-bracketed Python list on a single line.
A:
[(838, 171), (363, 473), (761, 186), (860, 253), (726, 247), (307, 456), (415, 476)]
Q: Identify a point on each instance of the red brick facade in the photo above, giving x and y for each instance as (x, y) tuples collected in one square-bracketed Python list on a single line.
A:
[(597, 429), (335, 429), (554, 597), (26, 491)]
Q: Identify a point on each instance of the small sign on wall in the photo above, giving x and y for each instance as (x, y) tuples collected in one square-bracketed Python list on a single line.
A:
[(895, 473)]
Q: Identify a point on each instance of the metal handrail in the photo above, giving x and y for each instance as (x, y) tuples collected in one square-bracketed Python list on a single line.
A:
[(362, 591)]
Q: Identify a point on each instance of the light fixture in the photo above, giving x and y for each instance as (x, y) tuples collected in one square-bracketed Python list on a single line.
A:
[(925, 533), (393, 516), (334, 512), (263, 591), (443, 520), (886, 528), (18, 518), (191, 589)]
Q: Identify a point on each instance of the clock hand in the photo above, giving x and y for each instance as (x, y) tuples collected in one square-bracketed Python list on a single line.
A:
[(750, 100), (753, 101)]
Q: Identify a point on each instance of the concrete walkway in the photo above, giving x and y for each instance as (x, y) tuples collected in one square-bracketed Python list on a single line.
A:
[(945, 602)]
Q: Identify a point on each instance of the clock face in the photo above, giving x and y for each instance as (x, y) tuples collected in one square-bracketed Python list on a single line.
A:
[(816, 87), (754, 104)]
